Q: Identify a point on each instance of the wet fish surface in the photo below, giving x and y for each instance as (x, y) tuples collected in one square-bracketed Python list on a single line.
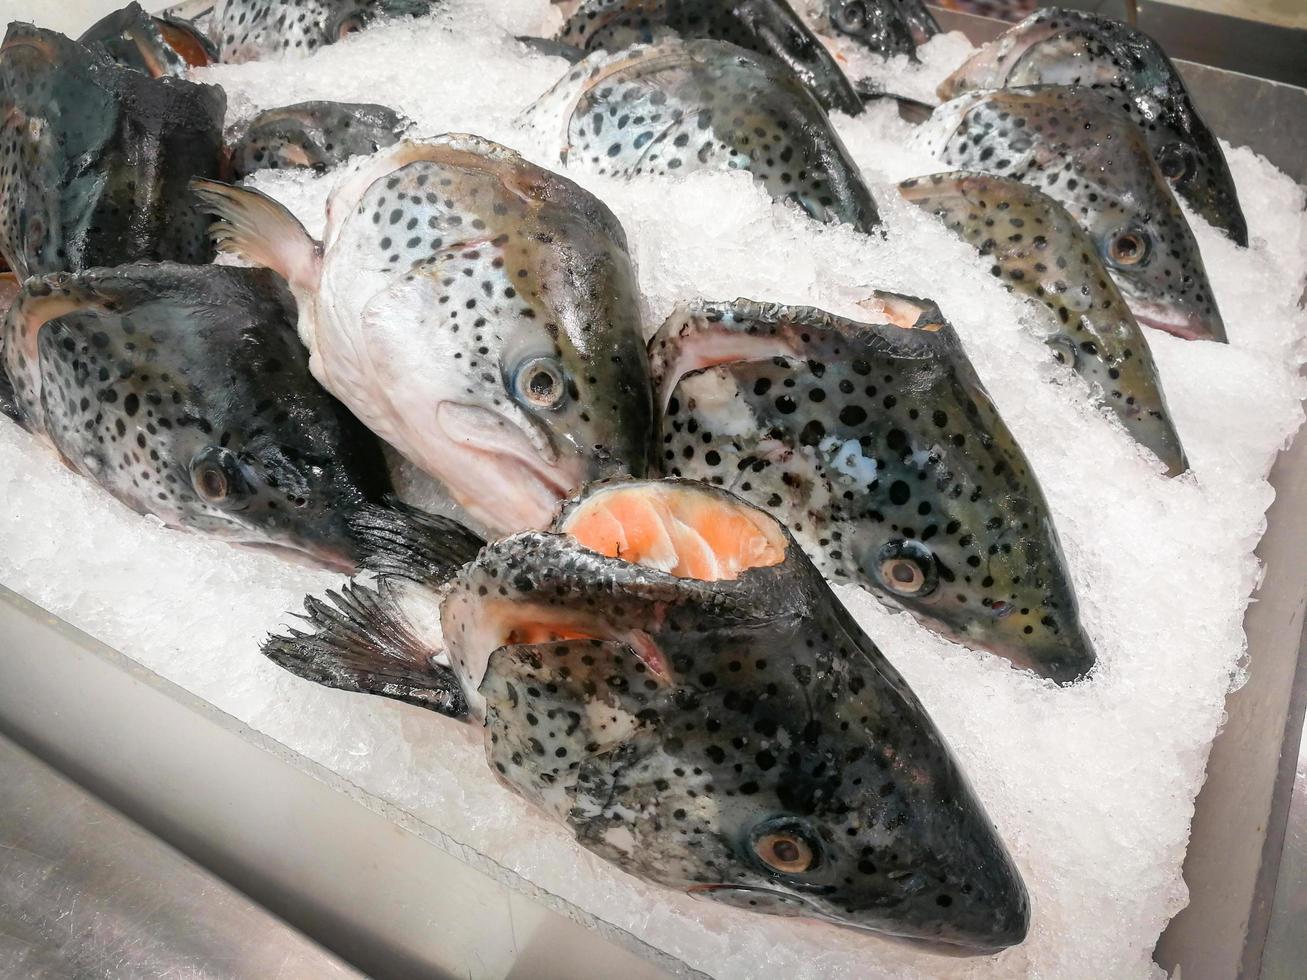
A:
[(668, 676), (885, 27), (314, 135), (766, 27), (184, 392), (1037, 249), (252, 30), (1071, 144), (477, 312), (95, 159), (880, 450), (683, 106), (132, 38), (1070, 47)]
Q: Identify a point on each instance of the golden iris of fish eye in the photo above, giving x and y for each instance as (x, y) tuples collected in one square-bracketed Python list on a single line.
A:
[(211, 483), (1128, 248), (784, 852), (903, 575)]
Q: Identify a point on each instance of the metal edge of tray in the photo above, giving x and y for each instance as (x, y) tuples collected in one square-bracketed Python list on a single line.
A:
[(384, 890)]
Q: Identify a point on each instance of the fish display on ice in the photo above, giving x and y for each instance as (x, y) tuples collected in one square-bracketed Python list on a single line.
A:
[(766, 27), (184, 392), (885, 27), (1071, 144), (1071, 47), (1037, 249), (666, 674), (477, 312), (316, 135), (878, 447), (682, 106), (95, 158)]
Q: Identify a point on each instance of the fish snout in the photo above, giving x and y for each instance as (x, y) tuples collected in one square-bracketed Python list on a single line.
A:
[(1180, 320)]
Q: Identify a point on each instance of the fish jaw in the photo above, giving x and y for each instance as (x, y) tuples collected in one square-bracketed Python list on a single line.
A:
[(505, 476), (1177, 322)]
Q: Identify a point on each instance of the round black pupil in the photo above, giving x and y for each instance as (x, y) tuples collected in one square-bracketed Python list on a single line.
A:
[(542, 384), (213, 483), (786, 851), (904, 572), (1127, 245)]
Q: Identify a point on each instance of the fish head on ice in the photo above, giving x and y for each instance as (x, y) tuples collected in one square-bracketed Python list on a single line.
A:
[(248, 30), (1073, 145), (97, 158), (677, 107), (1070, 47), (879, 448), (887, 27), (184, 392), (1035, 248), (155, 45), (768, 27), (314, 135), (477, 312), (668, 675)]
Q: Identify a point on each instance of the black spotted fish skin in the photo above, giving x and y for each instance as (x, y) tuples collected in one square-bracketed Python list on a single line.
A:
[(882, 453), (1069, 47), (184, 392), (1071, 144), (1036, 249), (251, 30), (680, 107), (766, 27), (95, 158), (314, 135), (697, 717), (885, 27)]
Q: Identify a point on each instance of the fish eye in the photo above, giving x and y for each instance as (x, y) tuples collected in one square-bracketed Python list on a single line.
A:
[(1065, 350), (785, 847), (539, 383), (1176, 161), (851, 17), (351, 24), (907, 568), (216, 475), (1129, 247)]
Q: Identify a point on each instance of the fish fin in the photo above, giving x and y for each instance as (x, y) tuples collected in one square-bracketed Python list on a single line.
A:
[(403, 542), (910, 110), (582, 696), (552, 48), (362, 642), (255, 227)]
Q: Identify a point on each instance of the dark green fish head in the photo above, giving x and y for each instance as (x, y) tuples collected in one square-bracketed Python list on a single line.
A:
[(702, 713), (1035, 248), (886, 27), (881, 451), (1070, 47), (1071, 144), (767, 27), (248, 30), (314, 135), (185, 392), (156, 46), (98, 158), (685, 106)]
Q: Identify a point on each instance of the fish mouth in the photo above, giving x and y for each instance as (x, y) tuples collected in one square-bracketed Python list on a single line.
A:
[(505, 477), (1186, 326), (805, 909), (308, 555)]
